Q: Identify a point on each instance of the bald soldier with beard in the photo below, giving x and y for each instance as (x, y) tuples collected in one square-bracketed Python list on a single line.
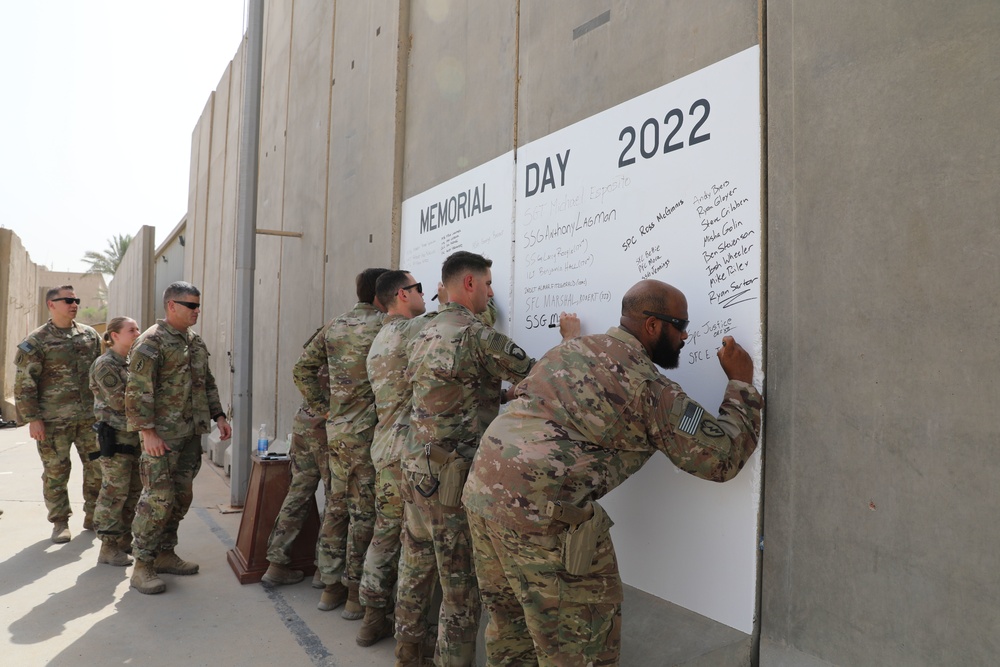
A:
[(590, 414)]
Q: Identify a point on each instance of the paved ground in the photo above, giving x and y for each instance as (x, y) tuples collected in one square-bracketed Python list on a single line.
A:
[(58, 607)]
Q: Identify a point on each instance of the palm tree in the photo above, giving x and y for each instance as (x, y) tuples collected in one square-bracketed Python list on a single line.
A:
[(108, 261)]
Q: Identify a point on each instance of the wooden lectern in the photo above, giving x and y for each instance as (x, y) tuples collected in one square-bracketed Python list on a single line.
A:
[(269, 480)]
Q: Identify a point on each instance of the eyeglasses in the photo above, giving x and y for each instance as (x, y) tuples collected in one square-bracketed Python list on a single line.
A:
[(680, 325), (67, 299), (419, 287), (190, 304)]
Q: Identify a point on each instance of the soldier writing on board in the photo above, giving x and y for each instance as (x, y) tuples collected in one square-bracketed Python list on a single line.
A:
[(589, 415)]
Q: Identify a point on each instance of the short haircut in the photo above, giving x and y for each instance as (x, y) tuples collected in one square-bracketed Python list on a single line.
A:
[(462, 262), (389, 284), (115, 326), (179, 288), (54, 292), (365, 284), (633, 303)]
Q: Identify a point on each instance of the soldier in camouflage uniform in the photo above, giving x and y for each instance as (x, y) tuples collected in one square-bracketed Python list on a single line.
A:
[(53, 397), (404, 301), (120, 484), (171, 399), (349, 516), (455, 368), (310, 465), (589, 415)]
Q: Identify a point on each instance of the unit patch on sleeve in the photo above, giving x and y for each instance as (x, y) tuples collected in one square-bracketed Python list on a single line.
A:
[(692, 419)]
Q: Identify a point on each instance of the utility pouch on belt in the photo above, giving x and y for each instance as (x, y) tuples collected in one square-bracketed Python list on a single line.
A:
[(452, 476), (106, 438), (586, 526)]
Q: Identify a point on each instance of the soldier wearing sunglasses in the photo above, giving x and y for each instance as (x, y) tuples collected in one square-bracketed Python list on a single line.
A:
[(52, 394), (171, 399)]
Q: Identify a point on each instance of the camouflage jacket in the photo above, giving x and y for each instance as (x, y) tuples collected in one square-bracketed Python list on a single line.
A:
[(53, 373), (591, 413), (343, 348), (170, 387), (455, 367), (306, 420), (107, 381), (387, 374)]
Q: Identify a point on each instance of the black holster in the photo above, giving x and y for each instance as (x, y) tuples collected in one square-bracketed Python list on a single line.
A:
[(107, 439)]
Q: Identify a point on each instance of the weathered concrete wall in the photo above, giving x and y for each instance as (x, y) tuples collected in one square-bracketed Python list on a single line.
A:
[(880, 474), (169, 260), (18, 310), (130, 293)]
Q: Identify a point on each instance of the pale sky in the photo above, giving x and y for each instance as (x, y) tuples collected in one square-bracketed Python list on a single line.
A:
[(99, 99)]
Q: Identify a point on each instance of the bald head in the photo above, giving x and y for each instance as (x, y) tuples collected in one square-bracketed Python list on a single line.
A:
[(655, 296)]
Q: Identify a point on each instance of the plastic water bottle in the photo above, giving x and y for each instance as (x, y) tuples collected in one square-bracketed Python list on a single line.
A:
[(262, 441)]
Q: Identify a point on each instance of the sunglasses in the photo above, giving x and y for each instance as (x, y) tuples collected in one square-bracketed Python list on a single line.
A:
[(680, 325), (419, 287), (67, 299), (189, 304)]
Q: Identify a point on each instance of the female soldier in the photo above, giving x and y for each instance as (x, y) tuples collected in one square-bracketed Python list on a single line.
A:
[(120, 486)]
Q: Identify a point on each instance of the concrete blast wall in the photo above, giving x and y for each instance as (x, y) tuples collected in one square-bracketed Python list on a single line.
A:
[(19, 313), (130, 293), (881, 229)]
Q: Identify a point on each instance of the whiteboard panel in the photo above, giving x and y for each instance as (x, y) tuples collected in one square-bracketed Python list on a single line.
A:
[(664, 186), (473, 211)]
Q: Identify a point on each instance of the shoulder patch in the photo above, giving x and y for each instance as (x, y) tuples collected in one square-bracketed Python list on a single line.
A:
[(712, 429), (515, 351), (26, 347), (147, 350), (691, 420), (110, 380)]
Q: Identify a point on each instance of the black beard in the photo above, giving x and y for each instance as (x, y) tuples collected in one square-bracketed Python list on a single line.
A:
[(663, 354)]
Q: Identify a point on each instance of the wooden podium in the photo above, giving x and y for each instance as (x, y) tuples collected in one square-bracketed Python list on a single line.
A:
[(269, 481)]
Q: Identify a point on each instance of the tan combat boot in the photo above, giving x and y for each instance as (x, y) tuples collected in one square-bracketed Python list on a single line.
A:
[(111, 553), (408, 654), (144, 579), (333, 596), (88, 522), (60, 532), (374, 628), (353, 609), (167, 562), (280, 575), (317, 581)]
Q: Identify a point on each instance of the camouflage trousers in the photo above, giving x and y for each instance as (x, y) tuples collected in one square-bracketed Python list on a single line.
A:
[(436, 541), (310, 466), (382, 558), (167, 483), (120, 489), (538, 612), (349, 515), (54, 452)]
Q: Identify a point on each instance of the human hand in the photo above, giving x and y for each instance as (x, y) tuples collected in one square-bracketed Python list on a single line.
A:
[(569, 325), (152, 443), (735, 361), (225, 430), (36, 430)]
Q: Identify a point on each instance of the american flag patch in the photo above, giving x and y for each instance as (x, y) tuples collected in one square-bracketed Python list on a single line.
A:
[(691, 419)]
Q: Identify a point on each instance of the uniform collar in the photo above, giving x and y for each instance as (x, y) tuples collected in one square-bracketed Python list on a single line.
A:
[(628, 339), (71, 328), (176, 332)]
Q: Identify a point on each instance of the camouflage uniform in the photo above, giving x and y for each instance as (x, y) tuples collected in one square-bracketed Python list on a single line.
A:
[(310, 466), (171, 389), (51, 385), (591, 414), (349, 516), (386, 371), (120, 484), (456, 364)]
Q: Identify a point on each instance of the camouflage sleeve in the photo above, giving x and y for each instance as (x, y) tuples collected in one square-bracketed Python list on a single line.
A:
[(140, 400), (306, 375), (30, 364), (106, 386), (211, 389), (501, 356), (695, 441)]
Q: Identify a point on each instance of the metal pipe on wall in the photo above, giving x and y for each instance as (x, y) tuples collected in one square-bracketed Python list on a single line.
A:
[(246, 224)]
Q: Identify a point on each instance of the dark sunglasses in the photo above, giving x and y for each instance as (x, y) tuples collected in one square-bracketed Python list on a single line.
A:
[(419, 287), (190, 304), (67, 299), (680, 325)]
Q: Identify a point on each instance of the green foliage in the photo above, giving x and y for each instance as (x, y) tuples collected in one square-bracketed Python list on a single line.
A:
[(108, 261), (93, 315)]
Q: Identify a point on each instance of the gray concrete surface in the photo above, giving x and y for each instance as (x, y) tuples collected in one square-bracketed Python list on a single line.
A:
[(130, 293), (18, 310)]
